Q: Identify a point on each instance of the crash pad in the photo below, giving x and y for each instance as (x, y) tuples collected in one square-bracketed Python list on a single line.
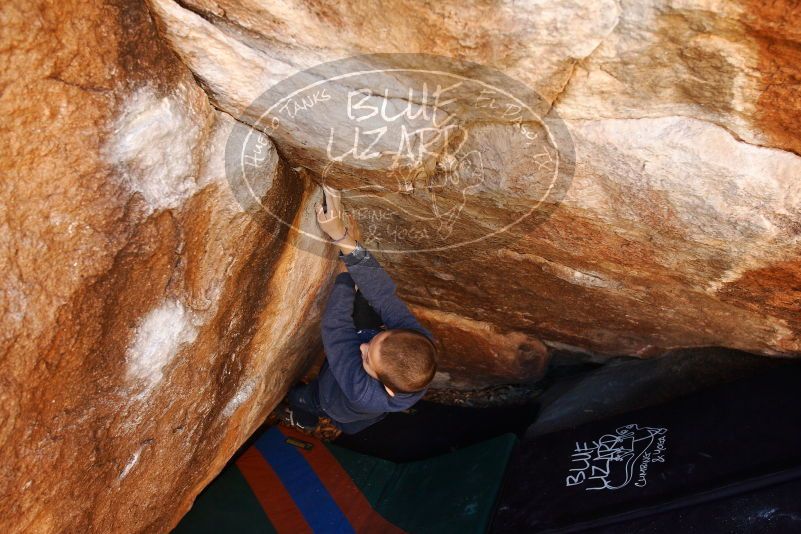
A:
[(697, 452), (289, 482)]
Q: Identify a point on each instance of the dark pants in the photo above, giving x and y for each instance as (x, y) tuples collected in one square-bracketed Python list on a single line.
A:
[(304, 399), (305, 402)]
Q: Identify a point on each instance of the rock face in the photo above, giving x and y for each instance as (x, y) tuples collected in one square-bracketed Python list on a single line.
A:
[(680, 224), (157, 300), (149, 324)]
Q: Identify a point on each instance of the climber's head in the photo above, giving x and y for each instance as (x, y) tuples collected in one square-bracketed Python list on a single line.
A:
[(403, 360)]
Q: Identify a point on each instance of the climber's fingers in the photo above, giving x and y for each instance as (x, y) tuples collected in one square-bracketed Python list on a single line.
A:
[(351, 220), (322, 216), (333, 199)]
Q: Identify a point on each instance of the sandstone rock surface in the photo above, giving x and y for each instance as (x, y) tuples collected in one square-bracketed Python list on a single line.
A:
[(156, 306), (680, 226), (149, 324)]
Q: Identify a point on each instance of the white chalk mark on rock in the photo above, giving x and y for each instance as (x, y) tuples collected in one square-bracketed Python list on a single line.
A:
[(159, 337), (152, 144), (244, 393), (131, 463)]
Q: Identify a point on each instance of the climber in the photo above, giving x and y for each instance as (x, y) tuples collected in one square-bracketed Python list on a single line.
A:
[(379, 358)]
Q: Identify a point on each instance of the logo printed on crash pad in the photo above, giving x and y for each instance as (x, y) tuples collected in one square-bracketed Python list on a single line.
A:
[(617, 460)]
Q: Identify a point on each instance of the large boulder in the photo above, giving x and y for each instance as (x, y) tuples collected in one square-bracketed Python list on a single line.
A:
[(679, 223), (149, 323), (157, 302)]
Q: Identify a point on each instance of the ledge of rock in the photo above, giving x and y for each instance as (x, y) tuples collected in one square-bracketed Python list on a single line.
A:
[(155, 309)]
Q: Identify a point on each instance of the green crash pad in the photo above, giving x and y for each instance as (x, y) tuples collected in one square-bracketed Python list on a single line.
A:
[(319, 490)]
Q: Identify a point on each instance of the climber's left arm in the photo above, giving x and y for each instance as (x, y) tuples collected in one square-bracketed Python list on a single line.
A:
[(340, 341)]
